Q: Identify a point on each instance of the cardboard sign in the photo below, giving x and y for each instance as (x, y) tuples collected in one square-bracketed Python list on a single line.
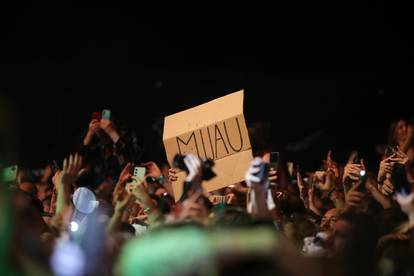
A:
[(216, 130)]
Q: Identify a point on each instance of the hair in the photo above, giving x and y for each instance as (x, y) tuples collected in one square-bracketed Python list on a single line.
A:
[(259, 134), (232, 217), (302, 228), (395, 258), (363, 240), (389, 219), (391, 131)]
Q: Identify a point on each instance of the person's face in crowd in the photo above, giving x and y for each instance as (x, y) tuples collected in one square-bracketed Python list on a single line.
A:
[(43, 191), (28, 187), (401, 131), (329, 219), (339, 235), (193, 210)]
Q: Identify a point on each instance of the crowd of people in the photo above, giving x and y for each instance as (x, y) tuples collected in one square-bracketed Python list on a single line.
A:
[(91, 214)]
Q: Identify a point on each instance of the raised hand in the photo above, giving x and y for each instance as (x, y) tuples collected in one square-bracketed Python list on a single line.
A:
[(108, 127), (331, 165), (195, 172), (152, 169), (125, 173), (272, 177), (71, 168), (124, 176), (400, 157), (172, 175), (385, 169), (387, 187), (354, 198), (93, 127), (92, 130), (251, 177), (325, 180), (352, 172)]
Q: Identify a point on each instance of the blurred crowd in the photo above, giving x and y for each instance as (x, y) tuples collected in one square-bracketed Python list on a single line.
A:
[(105, 211)]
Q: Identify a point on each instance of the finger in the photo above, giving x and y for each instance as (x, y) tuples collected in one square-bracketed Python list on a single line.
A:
[(147, 164), (355, 166), (272, 178), (388, 189), (354, 194), (272, 172), (353, 177), (354, 204), (299, 179), (127, 168), (75, 161), (65, 164), (80, 159), (395, 160), (79, 162), (354, 199), (362, 164), (256, 161), (70, 163), (353, 188), (329, 155), (354, 171), (384, 192), (190, 163), (253, 170), (195, 161), (253, 178)]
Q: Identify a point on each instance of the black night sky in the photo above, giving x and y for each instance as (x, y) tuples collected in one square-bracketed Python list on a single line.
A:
[(338, 72)]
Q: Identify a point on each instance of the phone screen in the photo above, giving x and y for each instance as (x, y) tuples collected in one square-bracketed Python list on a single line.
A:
[(106, 114)]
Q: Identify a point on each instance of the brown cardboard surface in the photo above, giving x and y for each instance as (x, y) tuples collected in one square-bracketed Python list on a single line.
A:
[(216, 130)]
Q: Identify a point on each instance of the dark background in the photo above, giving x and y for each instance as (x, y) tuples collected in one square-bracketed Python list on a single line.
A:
[(339, 72)]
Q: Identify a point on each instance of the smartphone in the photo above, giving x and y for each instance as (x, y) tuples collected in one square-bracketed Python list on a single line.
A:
[(362, 176), (389, 151), (274, 160), (9, 174), (96, 116), (106, 114), (53, 166), (139, 173)]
